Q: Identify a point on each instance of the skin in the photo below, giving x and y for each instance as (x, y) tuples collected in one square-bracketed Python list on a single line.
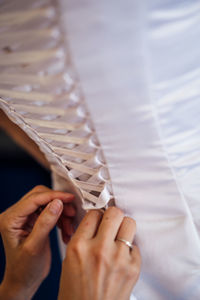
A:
[(95, 261), (97, 266), (25, 234)]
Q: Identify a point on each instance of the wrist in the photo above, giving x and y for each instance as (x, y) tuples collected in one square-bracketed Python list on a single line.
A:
[(12, 292)]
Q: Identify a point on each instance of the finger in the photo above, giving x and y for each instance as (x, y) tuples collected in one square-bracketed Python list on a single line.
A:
[(37, 189), (67, 226), (66, 238), (126, 231), (30, 204), (88, 226), (44, 224), (69, 210), (136, 257), (110, 223)]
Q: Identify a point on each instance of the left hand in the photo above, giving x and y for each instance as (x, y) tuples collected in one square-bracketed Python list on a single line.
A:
[(25, 233)]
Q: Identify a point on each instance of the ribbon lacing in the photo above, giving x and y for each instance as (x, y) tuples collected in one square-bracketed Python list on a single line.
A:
[(40, 92)]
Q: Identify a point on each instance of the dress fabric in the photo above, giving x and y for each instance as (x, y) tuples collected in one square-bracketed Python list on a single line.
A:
[(138, 62), (139, 72)]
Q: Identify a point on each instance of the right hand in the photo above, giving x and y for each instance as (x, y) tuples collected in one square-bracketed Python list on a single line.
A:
[(97, 266), (25, 229)]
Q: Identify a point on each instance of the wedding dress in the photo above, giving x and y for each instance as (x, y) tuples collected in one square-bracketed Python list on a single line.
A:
[(110, 90)]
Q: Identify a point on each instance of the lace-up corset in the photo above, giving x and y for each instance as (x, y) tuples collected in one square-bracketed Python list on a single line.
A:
[(40, 92)]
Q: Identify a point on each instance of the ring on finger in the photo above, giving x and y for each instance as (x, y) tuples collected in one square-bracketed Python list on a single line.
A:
[(127, 243)]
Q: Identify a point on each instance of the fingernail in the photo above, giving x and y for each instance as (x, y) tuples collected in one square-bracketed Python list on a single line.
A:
[(55, 206)]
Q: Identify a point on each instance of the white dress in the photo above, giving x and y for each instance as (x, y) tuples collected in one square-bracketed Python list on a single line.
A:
[(139, 72)]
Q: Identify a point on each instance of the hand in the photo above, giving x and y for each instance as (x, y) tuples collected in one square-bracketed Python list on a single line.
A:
[(97, 266), (25, 229)]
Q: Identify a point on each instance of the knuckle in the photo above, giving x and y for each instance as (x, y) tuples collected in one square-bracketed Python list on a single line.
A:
[(95, 213), (101, 259), (75, 247), (101, 246), (101, 256), (119, 258), (121, 266), (122, 260), (113, 210), (133, 272), (28, 250), (39, 188), (131, 221)]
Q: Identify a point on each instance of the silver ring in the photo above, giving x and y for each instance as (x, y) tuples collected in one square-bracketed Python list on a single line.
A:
[(127, 243)]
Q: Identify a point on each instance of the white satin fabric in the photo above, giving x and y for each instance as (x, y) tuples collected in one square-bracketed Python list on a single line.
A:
[(138, 63)]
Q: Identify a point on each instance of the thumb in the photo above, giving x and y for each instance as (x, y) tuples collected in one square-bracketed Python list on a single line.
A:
[(44, 224)]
